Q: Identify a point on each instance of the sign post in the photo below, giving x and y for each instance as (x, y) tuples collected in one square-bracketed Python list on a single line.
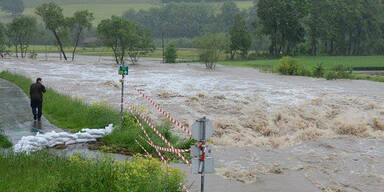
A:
[(123, 71), (202, 161)]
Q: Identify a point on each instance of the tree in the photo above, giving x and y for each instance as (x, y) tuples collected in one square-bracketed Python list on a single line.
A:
[(240, 38), (15, 7), (54, 20), (125, 38), (170, 53), (211, 47), (80, 23), (21, 31), (3, 40), (229, 10), (281, 21)]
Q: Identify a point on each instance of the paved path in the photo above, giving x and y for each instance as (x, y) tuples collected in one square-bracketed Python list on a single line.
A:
[(16, 116)]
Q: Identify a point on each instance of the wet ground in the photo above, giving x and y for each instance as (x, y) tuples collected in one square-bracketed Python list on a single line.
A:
[(16, 119), (273, 133)]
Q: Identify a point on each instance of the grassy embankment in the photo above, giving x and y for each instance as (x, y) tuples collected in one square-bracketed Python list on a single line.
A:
[(45, 172), (74, 114), (328, 62)]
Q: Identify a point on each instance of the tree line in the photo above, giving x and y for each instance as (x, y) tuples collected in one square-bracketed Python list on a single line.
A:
[(287, 27)]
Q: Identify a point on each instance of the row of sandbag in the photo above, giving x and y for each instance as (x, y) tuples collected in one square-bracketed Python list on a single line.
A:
[(41, 141)]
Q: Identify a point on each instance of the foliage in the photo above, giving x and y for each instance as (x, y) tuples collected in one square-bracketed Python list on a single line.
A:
[(124, 37), (79, 24), (54, 20), (16, 7), (342, 71), (20, 32), (176, 19), (210, 47), (125, 137), (76, 173), (240, 38), (170, 53), (4, 142), (280, 20), (288, 66), (3, 40), (345, 27), (228, 12), (318, 71)]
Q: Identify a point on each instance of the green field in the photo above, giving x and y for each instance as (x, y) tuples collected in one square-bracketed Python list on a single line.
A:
[(310, 62), (103, 9), (328, 62)]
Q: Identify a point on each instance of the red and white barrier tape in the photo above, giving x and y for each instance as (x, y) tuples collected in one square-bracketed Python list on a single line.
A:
[(173, 150), (168, 149), (146, 134), (167, 115), (142, 148)]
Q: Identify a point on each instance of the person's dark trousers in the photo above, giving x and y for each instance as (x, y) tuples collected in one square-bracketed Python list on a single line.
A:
[(37, 109)]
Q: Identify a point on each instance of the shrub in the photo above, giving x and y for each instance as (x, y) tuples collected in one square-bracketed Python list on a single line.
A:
[(288, 66), (318, 71), (331, 75), (342, 71), (338, 72), (4, 142), (170, 53)]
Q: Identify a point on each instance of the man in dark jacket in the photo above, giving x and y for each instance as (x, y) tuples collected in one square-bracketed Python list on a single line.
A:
[(36, 92)]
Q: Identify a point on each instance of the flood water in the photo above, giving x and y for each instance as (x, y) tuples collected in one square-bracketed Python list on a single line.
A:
[(282, 128)]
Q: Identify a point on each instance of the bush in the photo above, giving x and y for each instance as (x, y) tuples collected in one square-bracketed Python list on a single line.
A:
[(288, 66), (339, 72), (318, 71), (170, 53), (331, 75), (60, 174), (4, 142)]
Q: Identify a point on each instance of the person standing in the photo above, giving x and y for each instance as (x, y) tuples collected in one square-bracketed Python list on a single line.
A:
[(36, 92)]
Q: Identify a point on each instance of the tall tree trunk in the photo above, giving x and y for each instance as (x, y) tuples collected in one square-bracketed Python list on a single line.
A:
[(17, 56), (60, 44), (76, 44)]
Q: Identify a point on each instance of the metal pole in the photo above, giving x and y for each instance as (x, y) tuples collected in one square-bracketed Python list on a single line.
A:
[(122, 101), (162, 45), (203, 149)]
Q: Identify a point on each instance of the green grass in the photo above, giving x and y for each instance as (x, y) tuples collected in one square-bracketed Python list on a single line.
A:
[(45, 172), (328, 62), (188, 54), (4, 142)]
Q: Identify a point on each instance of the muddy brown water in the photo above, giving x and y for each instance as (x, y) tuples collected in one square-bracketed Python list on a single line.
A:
[(262, 121)]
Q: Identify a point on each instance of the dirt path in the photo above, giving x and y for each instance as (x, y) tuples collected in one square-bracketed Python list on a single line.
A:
[(266, 124)]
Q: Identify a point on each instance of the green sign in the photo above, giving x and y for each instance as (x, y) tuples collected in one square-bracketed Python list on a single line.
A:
[(123, 70)]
